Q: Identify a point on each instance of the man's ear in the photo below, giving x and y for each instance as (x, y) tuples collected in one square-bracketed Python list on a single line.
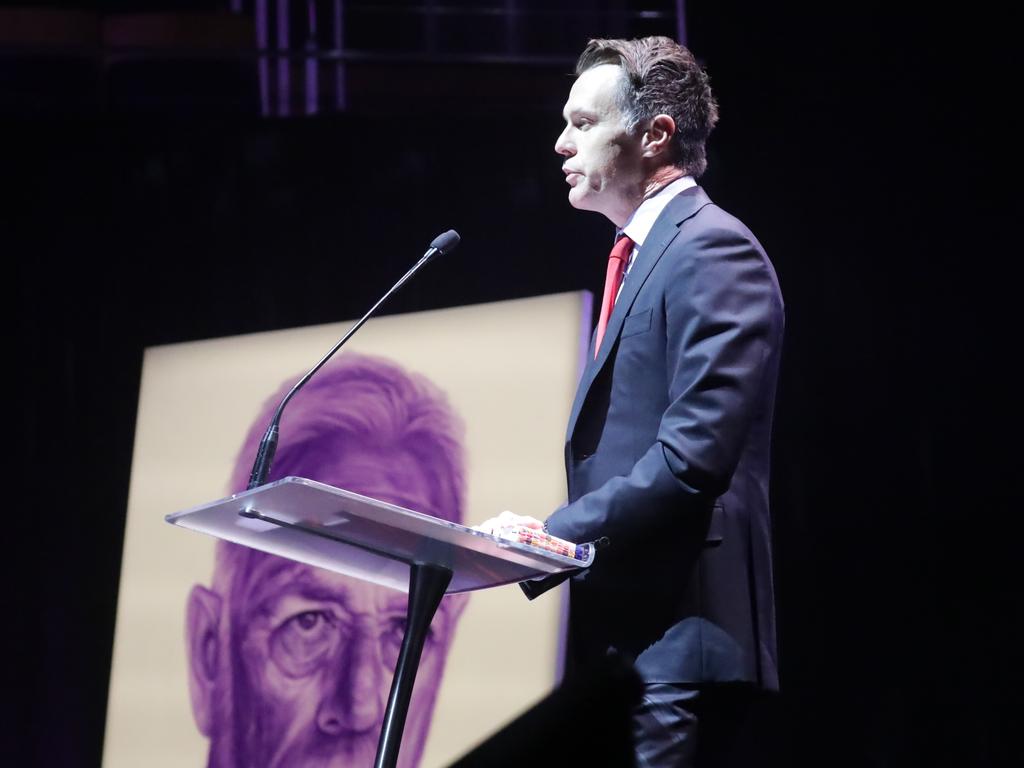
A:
[(658, 136), (202, 639)]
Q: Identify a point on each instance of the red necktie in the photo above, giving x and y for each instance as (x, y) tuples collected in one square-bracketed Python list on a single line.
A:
[(617, 260)]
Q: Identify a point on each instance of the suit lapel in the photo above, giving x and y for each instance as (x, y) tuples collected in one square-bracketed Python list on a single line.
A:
[(682, 207)]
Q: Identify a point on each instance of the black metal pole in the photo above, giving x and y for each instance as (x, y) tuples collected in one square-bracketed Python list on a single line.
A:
[(427, 584)]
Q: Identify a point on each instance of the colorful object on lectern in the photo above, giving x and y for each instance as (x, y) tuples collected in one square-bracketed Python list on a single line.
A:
[(535, 537)]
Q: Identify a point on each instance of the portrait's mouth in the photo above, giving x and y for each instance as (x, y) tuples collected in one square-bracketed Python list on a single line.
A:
[(572, 177)]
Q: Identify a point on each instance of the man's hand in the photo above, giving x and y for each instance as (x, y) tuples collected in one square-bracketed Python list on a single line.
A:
[(494, 525)]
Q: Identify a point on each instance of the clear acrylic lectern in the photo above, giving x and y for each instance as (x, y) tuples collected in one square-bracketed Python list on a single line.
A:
[(382, 543)]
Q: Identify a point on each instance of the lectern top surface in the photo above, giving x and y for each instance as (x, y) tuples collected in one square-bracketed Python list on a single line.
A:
[(358, 536)]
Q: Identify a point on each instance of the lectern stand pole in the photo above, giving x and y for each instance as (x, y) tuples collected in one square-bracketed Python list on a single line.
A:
[(427, 584)]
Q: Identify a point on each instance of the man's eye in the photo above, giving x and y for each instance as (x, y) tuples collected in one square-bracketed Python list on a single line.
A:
[(303, 641)]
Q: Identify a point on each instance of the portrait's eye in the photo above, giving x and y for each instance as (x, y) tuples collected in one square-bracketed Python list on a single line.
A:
[(397, 627), (393, 635), (301, 643)]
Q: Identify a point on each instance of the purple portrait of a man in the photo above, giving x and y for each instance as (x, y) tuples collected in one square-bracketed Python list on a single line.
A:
[(291, 665)]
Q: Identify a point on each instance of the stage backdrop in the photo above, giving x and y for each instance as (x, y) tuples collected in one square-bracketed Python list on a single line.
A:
[(508, 370)]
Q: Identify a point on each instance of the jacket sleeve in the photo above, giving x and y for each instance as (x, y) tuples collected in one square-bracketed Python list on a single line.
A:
[(723, 316)]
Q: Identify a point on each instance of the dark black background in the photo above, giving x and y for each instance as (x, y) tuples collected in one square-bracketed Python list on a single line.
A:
[(874, 153)]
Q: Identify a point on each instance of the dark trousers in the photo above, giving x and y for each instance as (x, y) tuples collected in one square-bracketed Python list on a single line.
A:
[(678, 726)]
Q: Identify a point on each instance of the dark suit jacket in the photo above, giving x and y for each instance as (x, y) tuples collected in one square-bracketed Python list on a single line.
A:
[(667, 454)]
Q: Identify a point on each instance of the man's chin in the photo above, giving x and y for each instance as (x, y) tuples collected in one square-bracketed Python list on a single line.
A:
[(579, 199)]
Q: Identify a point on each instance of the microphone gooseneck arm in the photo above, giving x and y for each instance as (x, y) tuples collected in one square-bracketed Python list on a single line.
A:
[(268, 445)]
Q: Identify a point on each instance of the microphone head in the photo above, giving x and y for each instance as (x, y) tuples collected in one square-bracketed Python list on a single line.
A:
[(447, 241)]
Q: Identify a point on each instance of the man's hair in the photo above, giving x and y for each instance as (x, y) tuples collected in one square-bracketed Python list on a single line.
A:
[(661, 77)]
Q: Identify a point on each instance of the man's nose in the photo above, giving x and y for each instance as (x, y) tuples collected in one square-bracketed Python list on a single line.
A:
[(562, 144), (355, 701)]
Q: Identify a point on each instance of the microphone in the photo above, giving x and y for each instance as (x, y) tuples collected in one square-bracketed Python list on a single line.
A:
[(443, 243)]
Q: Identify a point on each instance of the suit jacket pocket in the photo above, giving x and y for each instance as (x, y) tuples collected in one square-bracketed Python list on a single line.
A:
[(636, 323)]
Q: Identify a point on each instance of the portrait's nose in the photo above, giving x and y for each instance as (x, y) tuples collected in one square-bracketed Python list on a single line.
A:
[(355, 702)]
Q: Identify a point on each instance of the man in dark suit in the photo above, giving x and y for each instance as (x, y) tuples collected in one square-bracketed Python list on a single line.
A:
[(667, 450)]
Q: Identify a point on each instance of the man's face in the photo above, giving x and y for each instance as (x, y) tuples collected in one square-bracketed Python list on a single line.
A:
[(603, 162), (311, 654)]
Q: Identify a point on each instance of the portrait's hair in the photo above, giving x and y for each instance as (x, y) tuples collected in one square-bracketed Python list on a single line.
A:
[(661, 77), (358, 402)]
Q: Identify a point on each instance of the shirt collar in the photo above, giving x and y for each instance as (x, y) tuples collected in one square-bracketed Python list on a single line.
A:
[(643, 218)]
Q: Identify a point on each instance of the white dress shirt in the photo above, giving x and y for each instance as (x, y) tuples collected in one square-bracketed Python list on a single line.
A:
[(640, 223)]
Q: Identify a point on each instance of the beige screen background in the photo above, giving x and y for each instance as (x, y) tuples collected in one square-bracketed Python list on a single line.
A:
[(510, 370)]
